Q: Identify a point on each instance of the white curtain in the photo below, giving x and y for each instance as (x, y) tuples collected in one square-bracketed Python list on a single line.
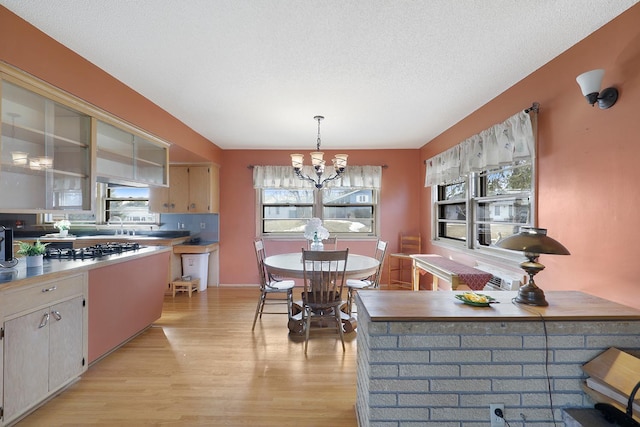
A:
[(501, 144), (285, 177)]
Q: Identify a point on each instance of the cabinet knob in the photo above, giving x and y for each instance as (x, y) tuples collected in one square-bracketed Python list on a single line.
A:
[(193, 206), (165, 205), (56, 315)]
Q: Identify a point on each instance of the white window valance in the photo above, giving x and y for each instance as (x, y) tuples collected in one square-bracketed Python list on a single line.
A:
[(500, 145), (285, 177)]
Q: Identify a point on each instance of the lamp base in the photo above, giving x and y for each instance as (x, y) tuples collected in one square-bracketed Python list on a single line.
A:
[(531, 295)]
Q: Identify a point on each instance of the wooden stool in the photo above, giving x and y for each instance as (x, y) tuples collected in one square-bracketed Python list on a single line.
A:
[(180, 285)]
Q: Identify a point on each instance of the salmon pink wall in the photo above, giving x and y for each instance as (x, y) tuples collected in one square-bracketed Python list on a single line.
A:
[(27, 48), (400, 192), (588, 162)]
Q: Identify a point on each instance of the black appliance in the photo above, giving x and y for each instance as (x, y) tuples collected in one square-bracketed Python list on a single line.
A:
[(6, 244), (90, 252)]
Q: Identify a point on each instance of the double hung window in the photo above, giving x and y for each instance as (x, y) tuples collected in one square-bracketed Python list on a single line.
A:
[(115, 204), (346, 207)]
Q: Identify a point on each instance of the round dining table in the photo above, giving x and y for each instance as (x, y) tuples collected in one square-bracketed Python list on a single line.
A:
[(290, 265)]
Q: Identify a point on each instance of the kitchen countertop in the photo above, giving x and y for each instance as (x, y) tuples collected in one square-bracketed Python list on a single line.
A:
[(79, 241), (52, 268), (437, 306), (199, 247)]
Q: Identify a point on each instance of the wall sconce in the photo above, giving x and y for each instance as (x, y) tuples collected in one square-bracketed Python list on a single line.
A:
[(590, 83)]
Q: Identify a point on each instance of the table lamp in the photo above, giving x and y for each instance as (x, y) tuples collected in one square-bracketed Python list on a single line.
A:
[(533, 242)]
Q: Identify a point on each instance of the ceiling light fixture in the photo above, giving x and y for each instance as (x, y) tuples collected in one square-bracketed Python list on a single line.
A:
[(590, 83), (533, 242), (339, 163)]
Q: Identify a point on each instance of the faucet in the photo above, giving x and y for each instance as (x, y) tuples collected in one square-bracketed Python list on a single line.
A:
[(121, 225)]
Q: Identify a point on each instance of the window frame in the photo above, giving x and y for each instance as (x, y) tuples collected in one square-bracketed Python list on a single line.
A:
[(100, 216), (317, 209), (475, 195)]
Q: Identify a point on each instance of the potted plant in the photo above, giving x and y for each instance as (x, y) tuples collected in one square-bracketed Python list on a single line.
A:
[(63, 225), (33, 252)]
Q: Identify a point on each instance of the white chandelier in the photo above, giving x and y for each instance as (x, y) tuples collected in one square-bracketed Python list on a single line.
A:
[(339, 163)]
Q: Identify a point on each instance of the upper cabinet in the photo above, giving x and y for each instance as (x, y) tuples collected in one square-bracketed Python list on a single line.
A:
[(45, 153), (128, 158), (54, 147), (192, 189)]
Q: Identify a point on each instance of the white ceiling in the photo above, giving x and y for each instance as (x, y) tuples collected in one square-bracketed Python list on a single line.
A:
[(252, 74)]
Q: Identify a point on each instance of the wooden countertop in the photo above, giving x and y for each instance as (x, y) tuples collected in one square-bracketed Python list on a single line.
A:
[(433, 306), (20, 275), (196, 248)]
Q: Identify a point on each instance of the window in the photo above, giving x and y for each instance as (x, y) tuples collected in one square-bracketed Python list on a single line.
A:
[(343, 210), (347, 205), (130, 205), (500, 201), (452, 211), (115, 203), (483, 188)]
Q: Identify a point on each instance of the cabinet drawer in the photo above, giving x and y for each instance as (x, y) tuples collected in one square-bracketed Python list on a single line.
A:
[(45, 293)]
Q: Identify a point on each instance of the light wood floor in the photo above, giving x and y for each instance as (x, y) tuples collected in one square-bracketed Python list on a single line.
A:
[(200, 365)]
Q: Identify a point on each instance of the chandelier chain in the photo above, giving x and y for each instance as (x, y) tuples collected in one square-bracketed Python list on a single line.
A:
[(319, 119)]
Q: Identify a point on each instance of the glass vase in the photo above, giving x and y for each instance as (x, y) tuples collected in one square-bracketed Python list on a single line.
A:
[(317, 245)]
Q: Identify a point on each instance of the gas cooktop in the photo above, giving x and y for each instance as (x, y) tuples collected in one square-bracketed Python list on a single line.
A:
[(90, 252)]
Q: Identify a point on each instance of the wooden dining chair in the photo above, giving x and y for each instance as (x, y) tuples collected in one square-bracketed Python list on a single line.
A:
[(269, 287), (324, 278), (401, 262), (372, 281)]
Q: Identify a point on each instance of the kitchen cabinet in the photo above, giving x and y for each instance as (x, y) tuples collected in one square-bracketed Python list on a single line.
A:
[(192, 189), (44, 343), (45, 158), (126, 157), (54, 146)]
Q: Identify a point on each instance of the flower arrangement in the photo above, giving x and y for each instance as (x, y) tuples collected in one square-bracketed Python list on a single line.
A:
[(314, 230), (63, 224), (27, 249)]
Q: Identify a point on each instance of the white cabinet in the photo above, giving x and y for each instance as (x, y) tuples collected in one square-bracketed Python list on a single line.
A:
[(44, 346), (192, 189)]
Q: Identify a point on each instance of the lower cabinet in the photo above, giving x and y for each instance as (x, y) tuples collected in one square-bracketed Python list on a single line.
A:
[(45, 347)]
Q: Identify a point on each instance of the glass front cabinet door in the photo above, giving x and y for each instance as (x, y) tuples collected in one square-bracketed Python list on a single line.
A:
[(45, 152)]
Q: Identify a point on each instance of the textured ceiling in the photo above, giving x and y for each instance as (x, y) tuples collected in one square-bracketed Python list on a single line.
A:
[(252, 74)]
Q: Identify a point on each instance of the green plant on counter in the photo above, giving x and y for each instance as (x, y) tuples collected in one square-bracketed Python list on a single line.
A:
[(28, 249)]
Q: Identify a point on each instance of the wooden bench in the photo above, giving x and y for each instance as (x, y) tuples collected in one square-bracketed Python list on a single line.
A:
[(179, 285), (448, 270)]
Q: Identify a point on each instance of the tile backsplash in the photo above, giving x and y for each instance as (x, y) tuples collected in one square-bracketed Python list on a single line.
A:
[(205, 226)]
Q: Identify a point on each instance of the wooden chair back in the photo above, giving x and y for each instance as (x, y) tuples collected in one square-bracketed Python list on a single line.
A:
[(262, 269), (381, 251), (331, 243), (410, 244), (323, 276)]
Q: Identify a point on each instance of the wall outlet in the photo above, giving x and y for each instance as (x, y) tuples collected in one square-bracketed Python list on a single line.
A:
[(203, 225), (496, 421)]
